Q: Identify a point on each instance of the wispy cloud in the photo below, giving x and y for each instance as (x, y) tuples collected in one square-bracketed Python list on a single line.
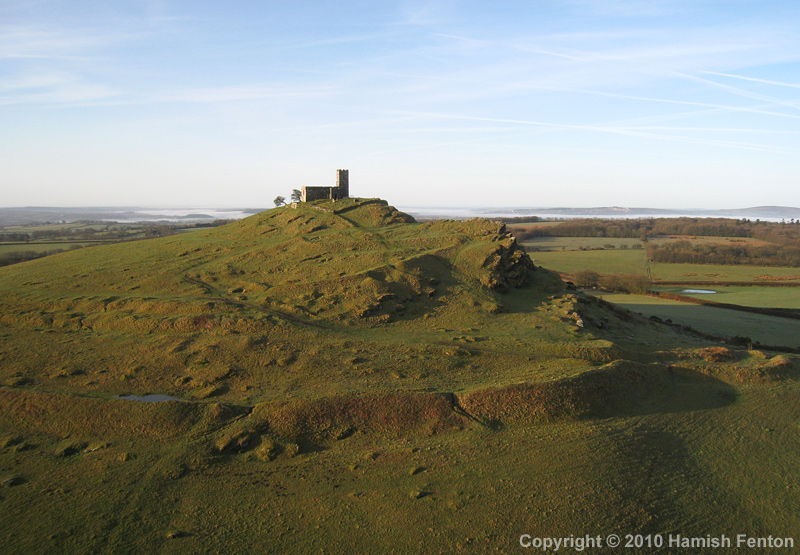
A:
[(53, 88), (618, 79), (745, 93), (614, 130), (753, 79), (629, 8), (240, 93), (56, 44)]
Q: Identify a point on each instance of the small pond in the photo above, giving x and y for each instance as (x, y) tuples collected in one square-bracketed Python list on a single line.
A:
[(699, 291), (147, 398)]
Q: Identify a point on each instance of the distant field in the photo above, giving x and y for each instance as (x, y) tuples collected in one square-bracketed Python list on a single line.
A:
[(634, 261), (742, 241), (765, 297), (708, 272), (578, 243), (41, 247), (46, 238), (619, 261), (531, 225), (768, 330), (58, 227)]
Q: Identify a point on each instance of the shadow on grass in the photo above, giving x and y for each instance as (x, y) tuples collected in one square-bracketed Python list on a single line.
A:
[(622, 388)]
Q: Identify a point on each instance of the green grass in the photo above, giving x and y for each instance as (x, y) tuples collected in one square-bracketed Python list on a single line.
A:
[(633, 261), (699, 273), (750, 295), (604, 262), (768, 330)]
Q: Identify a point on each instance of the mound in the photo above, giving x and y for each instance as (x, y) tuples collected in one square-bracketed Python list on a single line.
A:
[(324, 260), (314, 300), (616, 389)]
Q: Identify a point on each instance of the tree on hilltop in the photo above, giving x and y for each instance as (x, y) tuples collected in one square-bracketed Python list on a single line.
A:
[(279, 201), (297, 196)]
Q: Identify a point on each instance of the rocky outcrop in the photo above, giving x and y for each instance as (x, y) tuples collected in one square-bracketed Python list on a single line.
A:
[(508, 265)]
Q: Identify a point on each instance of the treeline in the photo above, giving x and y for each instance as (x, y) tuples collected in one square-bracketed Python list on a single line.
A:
[(622, 229), (79, 234), (703, 227), (520, 220), (215, 223), (779, 233), (783, 250), (685, 252), (629, 283), (15, 257), (110, 233)]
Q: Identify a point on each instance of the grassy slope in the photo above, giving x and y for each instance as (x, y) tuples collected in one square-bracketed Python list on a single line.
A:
[(359, 387)]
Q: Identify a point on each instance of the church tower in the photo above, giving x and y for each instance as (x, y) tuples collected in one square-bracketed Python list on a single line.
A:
[(343, 183)]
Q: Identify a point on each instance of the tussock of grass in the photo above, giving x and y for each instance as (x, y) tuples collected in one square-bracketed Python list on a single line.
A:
[(391, 413)]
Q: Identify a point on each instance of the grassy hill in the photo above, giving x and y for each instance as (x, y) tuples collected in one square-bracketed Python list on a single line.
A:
[(350, 380)]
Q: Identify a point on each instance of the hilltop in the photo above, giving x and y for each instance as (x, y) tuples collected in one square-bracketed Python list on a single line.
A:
[(340, 366)]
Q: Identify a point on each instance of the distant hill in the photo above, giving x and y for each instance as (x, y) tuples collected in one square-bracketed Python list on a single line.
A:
[(38, 215), (42, 214)]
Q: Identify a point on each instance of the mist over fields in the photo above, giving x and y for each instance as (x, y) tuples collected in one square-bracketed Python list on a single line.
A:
[(36, 215)]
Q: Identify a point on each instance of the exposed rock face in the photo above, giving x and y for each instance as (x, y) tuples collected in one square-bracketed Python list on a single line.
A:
[(508, 265)]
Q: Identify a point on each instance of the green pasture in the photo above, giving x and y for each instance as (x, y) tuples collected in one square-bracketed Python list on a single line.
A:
[(54, 227), (634, 261), (698, 273), (746, 295), (768, 330), (618, 261)]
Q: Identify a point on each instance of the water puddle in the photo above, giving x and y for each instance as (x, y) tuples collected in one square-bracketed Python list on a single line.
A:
[(699, 291), (147, 398)]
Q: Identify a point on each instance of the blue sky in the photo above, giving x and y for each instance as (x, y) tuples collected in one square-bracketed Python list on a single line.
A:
[(672, 104)]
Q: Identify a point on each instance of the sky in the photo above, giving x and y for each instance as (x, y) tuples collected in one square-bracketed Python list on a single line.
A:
[(442, 103)]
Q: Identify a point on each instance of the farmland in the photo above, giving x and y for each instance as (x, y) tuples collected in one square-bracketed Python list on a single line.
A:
[(602, 261), (767, 330), (621, 249), (19, 243), (746, 295)]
